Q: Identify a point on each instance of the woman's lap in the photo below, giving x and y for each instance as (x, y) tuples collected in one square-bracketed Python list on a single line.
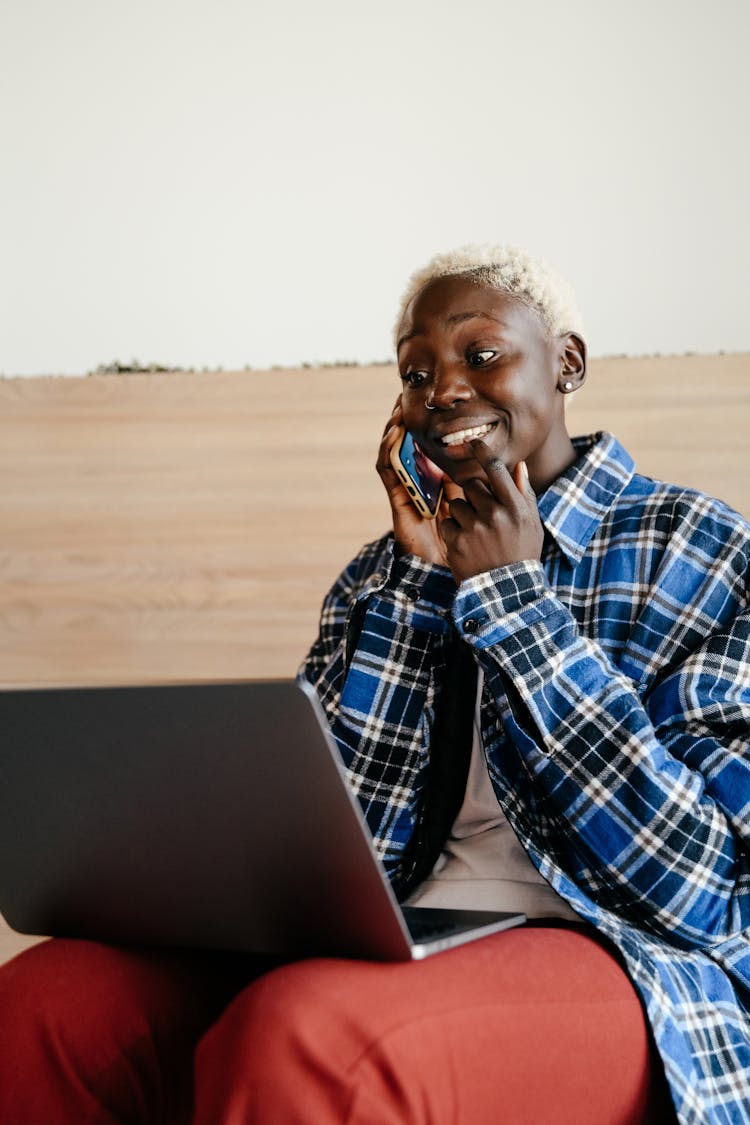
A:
[(533, 1024)]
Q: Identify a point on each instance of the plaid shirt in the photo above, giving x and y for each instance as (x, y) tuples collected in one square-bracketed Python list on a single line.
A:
[(616, 724)]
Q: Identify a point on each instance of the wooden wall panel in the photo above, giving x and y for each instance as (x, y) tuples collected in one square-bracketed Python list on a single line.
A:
[(162, 527)]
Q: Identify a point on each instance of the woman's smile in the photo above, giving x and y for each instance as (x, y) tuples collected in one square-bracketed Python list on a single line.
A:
[(466, 434), (450, 443)]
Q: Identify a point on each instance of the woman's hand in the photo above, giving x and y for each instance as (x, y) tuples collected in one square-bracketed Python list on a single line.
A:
[(414, 534), (496, 523)]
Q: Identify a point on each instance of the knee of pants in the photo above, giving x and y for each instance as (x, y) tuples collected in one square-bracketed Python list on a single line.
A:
[(296, 1003), (281, 1050), (89, 1032)]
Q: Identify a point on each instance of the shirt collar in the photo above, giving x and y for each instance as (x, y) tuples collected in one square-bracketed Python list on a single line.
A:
[(574, 505)]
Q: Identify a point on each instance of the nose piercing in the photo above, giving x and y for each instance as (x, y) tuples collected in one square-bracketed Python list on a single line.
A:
[(429, 406)]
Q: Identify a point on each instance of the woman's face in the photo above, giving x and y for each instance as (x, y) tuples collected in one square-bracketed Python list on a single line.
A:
[(484, 361)]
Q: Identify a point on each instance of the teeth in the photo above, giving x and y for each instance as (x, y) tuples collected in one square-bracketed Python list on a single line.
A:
[(461, 436)]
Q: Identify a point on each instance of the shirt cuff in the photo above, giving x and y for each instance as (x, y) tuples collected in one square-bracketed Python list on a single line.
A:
[(417, 580), (491, 606)]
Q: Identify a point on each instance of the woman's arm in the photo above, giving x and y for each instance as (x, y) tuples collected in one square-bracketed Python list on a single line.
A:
[(655, 794), (375, 666)]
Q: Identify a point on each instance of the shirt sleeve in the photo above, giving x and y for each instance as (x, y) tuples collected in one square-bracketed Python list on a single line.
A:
[(374, 665), (654, 792)]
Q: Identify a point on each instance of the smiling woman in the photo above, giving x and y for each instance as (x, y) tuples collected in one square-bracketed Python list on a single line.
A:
[(583, 601), (541, 699), (485, 371)]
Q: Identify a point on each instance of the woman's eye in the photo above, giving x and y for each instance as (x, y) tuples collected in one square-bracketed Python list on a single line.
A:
[(478, 359), (414, 378)]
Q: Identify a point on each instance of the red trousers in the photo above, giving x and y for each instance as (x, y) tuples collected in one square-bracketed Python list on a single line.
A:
[(532, 1025)]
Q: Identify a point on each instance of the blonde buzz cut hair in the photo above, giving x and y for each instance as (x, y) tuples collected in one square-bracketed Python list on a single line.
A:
[(509, 270)]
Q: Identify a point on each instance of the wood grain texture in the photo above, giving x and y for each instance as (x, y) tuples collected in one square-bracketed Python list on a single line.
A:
[(187, 526), (172, 527)]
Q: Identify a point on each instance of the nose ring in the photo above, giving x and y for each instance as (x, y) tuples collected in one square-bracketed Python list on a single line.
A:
[(429, 406)]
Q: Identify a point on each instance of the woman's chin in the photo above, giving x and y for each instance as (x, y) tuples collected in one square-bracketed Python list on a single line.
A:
[(464, 470), (460, 462)]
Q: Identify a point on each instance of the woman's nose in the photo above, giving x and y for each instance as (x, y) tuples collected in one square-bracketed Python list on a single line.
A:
[(450, 385)]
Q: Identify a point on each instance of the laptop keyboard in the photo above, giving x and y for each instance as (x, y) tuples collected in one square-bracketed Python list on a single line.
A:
[(424, 925)]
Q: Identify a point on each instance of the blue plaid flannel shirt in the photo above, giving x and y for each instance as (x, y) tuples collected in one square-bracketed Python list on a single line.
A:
[(616, 724)]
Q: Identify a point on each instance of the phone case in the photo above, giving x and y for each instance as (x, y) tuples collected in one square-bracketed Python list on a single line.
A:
[(412, 484)]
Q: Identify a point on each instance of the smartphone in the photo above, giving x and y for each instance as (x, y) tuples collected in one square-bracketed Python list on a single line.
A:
[(421, 479)]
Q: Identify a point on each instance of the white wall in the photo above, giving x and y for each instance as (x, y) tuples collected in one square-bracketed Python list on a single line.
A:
[(233, 182)]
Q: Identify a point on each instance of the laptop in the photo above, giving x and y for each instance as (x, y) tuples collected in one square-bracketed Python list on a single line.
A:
[(203, 815)]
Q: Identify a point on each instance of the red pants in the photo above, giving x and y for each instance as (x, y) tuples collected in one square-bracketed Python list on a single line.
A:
[(532, 1025)]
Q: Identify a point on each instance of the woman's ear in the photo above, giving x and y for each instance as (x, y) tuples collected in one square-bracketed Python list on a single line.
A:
[(572, 363)]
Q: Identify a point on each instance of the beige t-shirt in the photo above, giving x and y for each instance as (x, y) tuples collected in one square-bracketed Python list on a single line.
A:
[(483, 866)]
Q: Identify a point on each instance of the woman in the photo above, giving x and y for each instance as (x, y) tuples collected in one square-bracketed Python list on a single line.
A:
[(542, 700)]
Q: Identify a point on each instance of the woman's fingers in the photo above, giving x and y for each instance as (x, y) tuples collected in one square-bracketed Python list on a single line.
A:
[(499, 481), (496, 523), (391, 435)]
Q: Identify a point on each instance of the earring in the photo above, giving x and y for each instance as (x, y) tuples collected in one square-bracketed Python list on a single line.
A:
[(568, 386)]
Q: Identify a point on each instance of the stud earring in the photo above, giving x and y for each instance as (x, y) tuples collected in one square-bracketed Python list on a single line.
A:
[(568, 386)]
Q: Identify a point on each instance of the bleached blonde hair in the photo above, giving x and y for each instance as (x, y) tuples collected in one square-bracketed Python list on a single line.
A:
[(510, 270)]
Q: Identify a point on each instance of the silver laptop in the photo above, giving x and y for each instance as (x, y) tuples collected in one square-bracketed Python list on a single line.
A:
[(208, 815)]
